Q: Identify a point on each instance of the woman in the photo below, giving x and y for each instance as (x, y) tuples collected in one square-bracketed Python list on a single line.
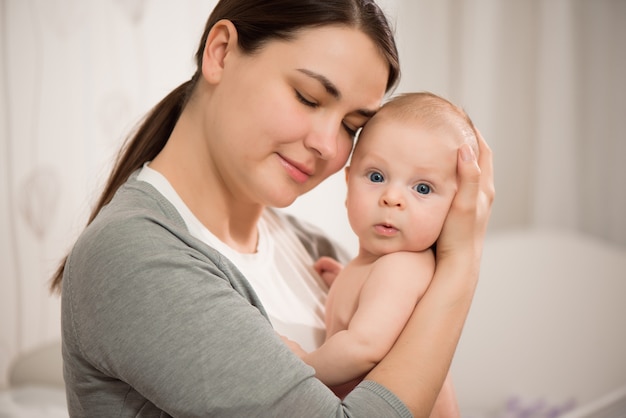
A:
[(157, 317)]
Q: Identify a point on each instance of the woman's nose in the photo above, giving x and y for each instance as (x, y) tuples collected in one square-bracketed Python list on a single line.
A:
[(323, 139)]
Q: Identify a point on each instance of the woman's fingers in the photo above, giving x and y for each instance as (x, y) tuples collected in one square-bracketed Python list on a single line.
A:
[(467, 219), (485, 161), (468, 172), (486, 191)]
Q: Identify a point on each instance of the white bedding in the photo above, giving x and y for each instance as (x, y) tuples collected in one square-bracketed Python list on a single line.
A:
[(546, 325), (33, 402)]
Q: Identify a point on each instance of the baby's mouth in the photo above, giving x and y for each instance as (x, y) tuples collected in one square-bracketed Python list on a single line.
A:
[(386, 229)]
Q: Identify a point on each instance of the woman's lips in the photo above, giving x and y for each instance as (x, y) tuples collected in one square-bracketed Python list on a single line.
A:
[(298, 173)]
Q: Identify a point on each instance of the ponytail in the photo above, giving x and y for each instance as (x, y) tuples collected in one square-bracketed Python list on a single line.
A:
[(143, 146), (257, 22)]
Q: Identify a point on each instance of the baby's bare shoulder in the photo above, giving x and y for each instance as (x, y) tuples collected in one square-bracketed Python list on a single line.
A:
[(407, 258)]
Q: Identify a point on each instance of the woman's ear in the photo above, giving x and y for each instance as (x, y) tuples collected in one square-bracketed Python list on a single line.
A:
[(221, 41)]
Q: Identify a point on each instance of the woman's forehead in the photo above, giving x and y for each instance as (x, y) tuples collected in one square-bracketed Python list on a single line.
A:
[(342, 58)]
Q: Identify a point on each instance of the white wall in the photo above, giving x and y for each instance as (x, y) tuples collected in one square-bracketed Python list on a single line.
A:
[(77, 75), (547, 322)]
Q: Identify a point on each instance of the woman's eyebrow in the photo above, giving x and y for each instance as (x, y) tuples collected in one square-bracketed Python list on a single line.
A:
[(328, 85), (333, 90)]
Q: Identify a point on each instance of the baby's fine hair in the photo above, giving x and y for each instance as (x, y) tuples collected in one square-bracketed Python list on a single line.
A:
[(434, 111)]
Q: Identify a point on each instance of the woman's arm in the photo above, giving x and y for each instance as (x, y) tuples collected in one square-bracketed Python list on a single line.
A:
[(393, 287), (416, 366), (446, 405)]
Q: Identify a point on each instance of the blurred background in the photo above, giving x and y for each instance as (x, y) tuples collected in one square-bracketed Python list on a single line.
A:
[(544, 80)]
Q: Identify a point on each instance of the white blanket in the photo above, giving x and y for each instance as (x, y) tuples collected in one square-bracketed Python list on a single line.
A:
[(33, 402)]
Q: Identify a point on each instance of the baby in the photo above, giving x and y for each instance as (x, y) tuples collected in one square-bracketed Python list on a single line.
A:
[(401, 182)]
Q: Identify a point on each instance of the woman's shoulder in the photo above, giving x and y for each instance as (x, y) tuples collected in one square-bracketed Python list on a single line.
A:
[(137, 221), (139, 237), (137, 200)]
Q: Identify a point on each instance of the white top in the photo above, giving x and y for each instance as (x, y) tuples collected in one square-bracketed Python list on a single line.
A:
[(281, 271)]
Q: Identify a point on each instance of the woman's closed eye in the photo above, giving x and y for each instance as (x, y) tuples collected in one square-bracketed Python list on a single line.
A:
[(351, 131), (314, 105), (306, 101)]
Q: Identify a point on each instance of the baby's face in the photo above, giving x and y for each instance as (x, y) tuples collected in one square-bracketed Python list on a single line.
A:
[(401, 183)]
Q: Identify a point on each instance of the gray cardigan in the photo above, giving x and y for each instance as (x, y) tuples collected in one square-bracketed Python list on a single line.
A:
[(155, 324)]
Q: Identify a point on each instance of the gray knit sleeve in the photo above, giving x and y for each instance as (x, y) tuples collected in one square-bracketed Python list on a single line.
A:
[(155, 323)]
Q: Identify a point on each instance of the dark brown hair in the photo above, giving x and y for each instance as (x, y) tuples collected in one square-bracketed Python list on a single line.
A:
[(257, 22)]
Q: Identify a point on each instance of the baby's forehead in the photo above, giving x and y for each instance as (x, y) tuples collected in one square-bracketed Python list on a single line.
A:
[(441, 131), (400, 141), (432, 112)]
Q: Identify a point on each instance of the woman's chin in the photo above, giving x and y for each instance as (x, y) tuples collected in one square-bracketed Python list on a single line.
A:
[(288, 193), (283, 201)]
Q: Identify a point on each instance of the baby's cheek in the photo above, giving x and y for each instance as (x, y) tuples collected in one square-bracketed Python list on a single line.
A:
[(439, 218)]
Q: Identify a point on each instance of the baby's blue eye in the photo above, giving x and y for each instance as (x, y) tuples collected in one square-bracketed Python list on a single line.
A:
[(422, 188), (376, 177)]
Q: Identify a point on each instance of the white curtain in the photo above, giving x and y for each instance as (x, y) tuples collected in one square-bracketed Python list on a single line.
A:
[(580, 175), (542, 79), (75, 77)]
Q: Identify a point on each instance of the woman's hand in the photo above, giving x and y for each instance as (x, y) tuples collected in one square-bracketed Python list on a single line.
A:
[(466, 223)]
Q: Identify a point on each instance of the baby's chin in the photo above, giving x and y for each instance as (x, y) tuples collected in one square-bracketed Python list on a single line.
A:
[(382, 250)]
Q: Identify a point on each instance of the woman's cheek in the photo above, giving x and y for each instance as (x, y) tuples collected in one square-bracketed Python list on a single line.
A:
[(343, 153)]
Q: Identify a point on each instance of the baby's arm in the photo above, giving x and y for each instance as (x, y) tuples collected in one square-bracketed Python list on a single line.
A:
[(396, 283), (328, 268), (293, 346)]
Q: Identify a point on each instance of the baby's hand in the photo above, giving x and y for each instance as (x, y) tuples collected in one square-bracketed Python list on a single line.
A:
[(328, 268), (293, 346)]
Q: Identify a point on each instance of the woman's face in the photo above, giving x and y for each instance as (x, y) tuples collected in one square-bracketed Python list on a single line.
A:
[(283, 119)]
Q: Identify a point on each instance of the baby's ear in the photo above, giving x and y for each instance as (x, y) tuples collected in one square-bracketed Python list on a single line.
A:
[(221, 41)]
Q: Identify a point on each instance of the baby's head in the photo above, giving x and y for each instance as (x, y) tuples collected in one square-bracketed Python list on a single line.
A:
[(432, 112), (403, 173)]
